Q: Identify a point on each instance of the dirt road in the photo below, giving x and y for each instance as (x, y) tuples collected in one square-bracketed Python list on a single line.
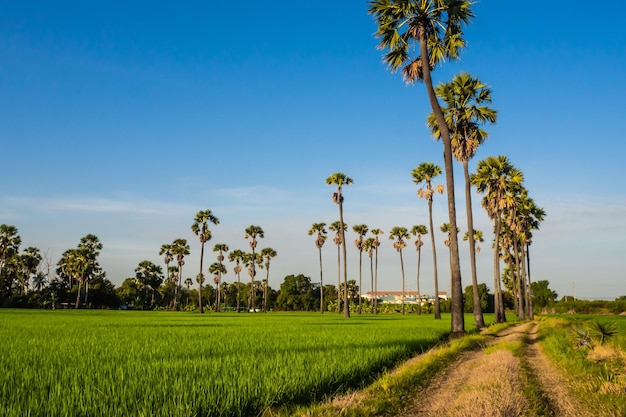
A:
[(510, 376)]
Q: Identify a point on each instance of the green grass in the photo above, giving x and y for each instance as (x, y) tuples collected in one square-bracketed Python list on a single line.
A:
[(111, 363)]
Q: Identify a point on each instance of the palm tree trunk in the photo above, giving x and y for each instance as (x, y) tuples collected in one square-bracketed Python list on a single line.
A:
[(78, 295), (346, 306), (456, 290), (437, 308), (479, 320), (376, 284), (360, 276), (419, 294), (531, 313), (372, 284), (338, 279), (200, 283), (321, 285), (497, 289), (518, 275), (402, 269), (238, 292)]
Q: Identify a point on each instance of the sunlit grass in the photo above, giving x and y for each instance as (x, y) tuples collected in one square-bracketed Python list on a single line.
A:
[(182, 364)]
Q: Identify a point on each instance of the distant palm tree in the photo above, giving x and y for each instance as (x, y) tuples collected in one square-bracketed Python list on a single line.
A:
[(10, 242), (400, 233), (417, 35), (418, 231), (337, 227), (375, 245), (252, 232), (237, 256), (180, 249), (267, 254), (424, 173), (166, 251), (368, 246), (465, 98), (217, 269), (497, 178), (361, 230), (201, 229), (320, 230), (188, 284), (340, 179), (220, 248)]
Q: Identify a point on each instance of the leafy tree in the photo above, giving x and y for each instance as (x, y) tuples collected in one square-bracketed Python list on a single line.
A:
[(483, 298), (399, 234), (320, 239), (297, 293), (340, 179), (252, 232), (10, 242), (149, 276), (201, 229), (434, 29), (418, 231), (424, 173), (361, 230), (543, 296)]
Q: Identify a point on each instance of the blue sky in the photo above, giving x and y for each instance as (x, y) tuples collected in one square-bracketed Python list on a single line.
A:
[(125, 120)]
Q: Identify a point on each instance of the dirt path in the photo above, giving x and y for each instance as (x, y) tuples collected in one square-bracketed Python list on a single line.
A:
[(494, 381)]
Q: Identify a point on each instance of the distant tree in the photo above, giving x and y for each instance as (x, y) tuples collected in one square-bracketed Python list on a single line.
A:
[(399, 234), (217, 269), (267, 254), (200, 228), (252, 233), (361, 230), (418, 231), (368, 246), (10, 242), (340, 179), (320, 230), (220, 248), (180, 249), (297, 293), (339, 230), (375, 245), (484, 297), (543, 296), (149, 276), (237, 256)]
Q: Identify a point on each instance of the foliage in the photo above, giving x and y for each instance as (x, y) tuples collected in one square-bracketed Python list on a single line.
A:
[(484, 296), (543, 296)]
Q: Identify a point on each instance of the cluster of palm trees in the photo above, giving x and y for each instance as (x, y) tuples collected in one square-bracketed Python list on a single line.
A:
[(179, 248), (417, 36), (18, 269)]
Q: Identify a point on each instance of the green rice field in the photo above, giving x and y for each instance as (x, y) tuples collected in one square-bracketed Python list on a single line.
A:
[(123, 363)]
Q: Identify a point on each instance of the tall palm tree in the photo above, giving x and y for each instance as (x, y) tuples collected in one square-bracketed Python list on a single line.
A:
[(434, 28), (496, 177), (92, 247), (251, 261), (237, 256), (220, 248), (533, 216), (361, 230), (339, 230), (340, 179), (368, 246), (200, 228), (180, 249), (267, 254), (10, 242), (399, 234), (418, 231), (466, 100), (217, 269), (425, 173), (375, 245), (252, 232), (320, 230)]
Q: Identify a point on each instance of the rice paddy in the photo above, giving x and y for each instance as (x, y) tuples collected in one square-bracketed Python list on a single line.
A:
[(115, 363)]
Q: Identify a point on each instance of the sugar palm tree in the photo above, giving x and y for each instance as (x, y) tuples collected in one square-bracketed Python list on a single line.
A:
[(418, 35), (200, 228), (338, 228), (252, 261), (237, 256), (10, 242), (418, 231), (375, 245), (320, 230), (188, 284), (361, 230), (92, 247), (252, 232), (217, 269), (496, 177), (399, 234), (425, 173), (267, 254), (368, 246), (166, 252), (180, 249), (340, 179), (220, 248), (533, 216), (466, 110)]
